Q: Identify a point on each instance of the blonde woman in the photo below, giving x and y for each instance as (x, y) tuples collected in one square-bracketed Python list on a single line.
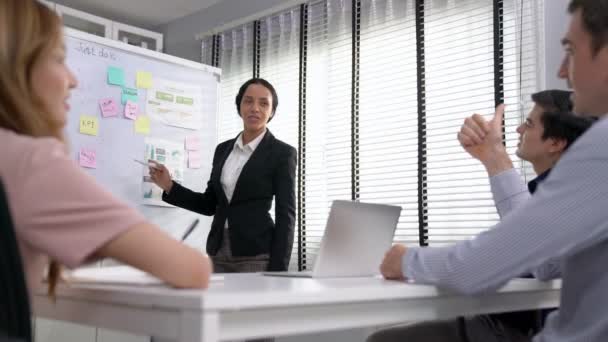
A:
[(60, 213)]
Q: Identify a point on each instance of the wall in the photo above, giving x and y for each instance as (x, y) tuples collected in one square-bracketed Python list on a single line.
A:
[(179, 35), (556, 21)]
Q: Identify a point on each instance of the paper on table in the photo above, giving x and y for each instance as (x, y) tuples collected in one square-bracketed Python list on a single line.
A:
[(118, 275)]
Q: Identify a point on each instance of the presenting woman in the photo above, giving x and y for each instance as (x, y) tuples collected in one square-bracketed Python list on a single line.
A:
[(248, 171)]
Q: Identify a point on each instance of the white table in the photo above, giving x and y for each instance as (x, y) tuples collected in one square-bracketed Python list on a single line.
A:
[(246, 306)]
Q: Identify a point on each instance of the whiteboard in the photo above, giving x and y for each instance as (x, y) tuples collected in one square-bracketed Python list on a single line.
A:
[(117, 143)]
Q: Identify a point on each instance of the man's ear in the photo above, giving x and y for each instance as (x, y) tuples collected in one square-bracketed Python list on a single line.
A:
[(558, 145)]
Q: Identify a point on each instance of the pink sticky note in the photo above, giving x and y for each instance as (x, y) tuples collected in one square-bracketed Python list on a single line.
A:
[(193, 143), (194, 160), (88, 158), (109, 107), (131, 110)]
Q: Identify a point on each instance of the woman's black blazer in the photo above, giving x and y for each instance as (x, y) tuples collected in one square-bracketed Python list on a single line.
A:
[(269, 172)]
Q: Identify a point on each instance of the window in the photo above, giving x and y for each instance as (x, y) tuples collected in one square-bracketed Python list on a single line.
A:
[(237, 67), (279, 48), (327, 157), (459, 61), (388, 114), (374, 92)]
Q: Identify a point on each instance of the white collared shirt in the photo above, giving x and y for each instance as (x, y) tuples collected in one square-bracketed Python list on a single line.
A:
[(235, 162)]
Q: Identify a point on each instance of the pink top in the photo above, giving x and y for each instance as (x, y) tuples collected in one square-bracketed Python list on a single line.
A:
[(58, 210)]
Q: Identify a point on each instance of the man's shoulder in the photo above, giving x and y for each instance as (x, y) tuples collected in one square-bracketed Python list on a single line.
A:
[(592, 144)]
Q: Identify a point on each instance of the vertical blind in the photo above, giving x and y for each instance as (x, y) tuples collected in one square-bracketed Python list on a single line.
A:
[(388, 114), (459, 60), (523, 55), (385, 87), (279, 39), (236, 63), (327, 154)]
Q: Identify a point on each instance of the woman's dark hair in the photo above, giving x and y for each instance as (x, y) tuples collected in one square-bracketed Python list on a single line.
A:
[(263, 83)]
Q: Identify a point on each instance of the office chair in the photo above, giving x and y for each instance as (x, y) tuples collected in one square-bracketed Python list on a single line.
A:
[(15, 316)]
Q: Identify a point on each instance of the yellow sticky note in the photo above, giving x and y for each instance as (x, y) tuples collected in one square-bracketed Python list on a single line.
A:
[(142, 124), (144, 80), (89, 125)]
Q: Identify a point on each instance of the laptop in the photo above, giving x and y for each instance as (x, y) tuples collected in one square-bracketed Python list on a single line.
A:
[(356, 237)]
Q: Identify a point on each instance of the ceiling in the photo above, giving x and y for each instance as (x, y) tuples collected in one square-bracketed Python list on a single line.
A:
[(144, 13)]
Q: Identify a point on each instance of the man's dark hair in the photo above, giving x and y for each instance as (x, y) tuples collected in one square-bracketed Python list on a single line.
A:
[(554, 100), (564, 126), (263, 83), (595, 20), (557, 118)]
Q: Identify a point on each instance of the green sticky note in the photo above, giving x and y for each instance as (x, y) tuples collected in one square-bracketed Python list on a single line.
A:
[(128, 94), (116, 76), (164, 96), (184, 100)]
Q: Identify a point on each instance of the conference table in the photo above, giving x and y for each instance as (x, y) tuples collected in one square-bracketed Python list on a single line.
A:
[(250, 305)]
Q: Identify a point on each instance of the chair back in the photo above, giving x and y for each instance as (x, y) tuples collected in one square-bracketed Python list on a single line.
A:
[(15, 314)]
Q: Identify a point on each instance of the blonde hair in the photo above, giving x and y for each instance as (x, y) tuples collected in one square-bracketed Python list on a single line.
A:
[(28, 31)]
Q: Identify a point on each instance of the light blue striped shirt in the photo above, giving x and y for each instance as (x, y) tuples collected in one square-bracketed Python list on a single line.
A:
[(509, 192), (566, 219)]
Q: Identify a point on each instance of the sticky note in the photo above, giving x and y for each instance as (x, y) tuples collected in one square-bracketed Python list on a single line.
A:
[(143, 80), (194, 159), (116, 76), (128, 94), (89, 125), (88, 158), (142, 124), (193, 143), (131, 110), (109, 107)]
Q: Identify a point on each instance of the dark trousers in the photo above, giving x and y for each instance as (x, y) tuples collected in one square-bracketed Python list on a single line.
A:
[(224, 262), (473, 329)]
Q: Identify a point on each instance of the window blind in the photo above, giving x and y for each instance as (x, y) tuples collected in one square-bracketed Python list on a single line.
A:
[(236, 64), (523, 56), (390, 106), (460, 202), (388, 131), (328, 117), (459, 82), (279, 49)]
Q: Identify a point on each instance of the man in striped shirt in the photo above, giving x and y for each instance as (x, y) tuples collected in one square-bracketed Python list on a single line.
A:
[(566, 219), (546, 134)]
